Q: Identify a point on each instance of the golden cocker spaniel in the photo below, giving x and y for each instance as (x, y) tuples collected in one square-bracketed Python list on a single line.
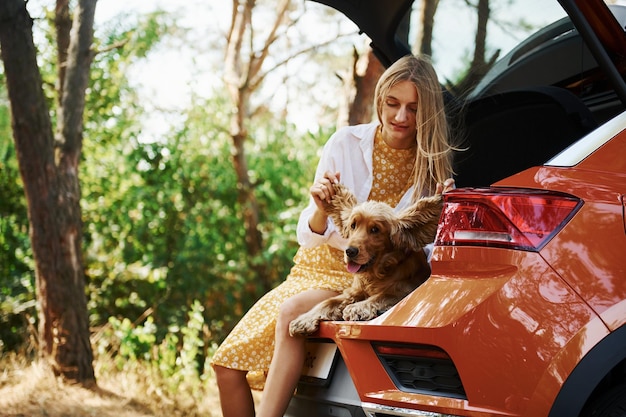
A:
[(385, 252)]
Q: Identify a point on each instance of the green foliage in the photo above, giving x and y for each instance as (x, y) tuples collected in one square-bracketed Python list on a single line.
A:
[(163, 225), (111, 116), (178, 361), (174, 234), (163, 232), (135, 342), (16, 264)]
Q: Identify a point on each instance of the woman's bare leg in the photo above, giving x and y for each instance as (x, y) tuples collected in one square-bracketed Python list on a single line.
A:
[(235, 394), (289, 354)]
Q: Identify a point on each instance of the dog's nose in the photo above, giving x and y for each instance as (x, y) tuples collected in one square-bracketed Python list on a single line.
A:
[(352, 252)]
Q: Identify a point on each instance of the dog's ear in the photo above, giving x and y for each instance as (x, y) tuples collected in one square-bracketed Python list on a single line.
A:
[(340, 207), (416, 226)]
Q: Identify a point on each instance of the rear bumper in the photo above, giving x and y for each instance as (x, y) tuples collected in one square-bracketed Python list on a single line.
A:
[(375, 410)]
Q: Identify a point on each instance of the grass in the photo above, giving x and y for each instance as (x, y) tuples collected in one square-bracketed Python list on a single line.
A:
[(30, 389)]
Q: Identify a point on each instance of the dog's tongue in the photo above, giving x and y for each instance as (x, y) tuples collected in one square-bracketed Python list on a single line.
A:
[(353, 267)]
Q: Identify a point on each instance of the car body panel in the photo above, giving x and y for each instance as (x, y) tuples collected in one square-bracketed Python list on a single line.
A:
[(600, 180), (582, 149)]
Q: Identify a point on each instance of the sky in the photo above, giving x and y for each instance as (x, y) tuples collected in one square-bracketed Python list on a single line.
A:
[(170, 64)]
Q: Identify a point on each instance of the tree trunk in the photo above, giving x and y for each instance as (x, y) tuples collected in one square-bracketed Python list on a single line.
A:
[(238, 83), (359, 85), (479, 65), (427, 25), (63, 25), (242, 76), (480, 39), (51, 184), (247, 197)]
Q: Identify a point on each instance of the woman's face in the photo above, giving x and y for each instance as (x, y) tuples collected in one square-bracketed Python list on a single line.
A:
[(399, 111)]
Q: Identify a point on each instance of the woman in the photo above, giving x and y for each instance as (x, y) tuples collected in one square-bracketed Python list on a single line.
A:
[(403, 156)]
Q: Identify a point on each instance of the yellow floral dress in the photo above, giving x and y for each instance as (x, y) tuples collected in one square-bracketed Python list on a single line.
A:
[(250, 345)]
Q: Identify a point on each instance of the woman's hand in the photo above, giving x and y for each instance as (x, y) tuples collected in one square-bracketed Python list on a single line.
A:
[(446, 186), (322, 190)]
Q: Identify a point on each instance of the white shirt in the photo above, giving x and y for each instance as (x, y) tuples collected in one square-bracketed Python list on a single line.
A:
[(349, 152)]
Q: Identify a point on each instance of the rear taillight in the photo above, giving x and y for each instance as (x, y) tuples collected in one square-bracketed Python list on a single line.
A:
[(503, 217)]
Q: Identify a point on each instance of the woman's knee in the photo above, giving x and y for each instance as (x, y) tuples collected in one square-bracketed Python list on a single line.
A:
[(227, 377), (291, 308)]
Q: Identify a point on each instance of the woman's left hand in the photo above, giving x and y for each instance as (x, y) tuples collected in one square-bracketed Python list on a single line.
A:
[(445, 187)]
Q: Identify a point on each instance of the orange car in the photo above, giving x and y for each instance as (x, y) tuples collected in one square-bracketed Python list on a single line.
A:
[(525, 311)]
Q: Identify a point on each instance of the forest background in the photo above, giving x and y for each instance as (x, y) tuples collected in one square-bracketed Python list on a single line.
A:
[(191, 182)]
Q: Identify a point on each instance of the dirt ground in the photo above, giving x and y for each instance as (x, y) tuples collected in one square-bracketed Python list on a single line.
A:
[(34, 392)]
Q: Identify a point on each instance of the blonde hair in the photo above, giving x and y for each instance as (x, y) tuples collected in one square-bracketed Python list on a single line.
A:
[(433, 163)]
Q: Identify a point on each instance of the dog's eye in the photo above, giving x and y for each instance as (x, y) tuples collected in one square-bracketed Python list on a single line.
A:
[(374, 230), (353, 225)]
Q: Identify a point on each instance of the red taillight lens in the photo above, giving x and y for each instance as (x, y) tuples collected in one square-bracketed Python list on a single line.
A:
[(502, 217)]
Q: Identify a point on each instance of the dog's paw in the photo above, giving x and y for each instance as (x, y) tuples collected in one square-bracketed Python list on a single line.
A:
[(303, 326), (360, 311)]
